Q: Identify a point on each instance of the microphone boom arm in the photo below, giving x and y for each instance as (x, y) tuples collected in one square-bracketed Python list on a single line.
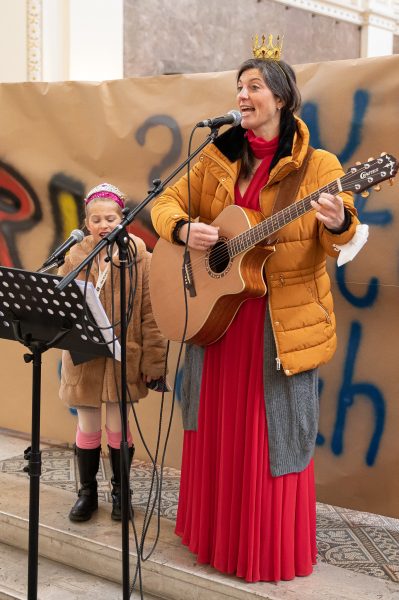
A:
[(158, 187)]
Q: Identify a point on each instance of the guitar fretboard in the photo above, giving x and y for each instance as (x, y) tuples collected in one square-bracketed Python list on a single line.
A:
[(266, 228)]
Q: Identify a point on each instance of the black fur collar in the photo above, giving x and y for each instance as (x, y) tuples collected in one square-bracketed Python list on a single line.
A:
[(231, 143)]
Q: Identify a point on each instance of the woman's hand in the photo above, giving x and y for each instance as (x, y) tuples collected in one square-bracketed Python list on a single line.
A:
[(330, 211), (202, 236)]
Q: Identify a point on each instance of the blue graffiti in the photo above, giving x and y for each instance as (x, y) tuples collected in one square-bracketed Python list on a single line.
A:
[(175, 147), (347, 395), (380, 218), (364, 301), (179, 378), (310, 115), (320, 439)]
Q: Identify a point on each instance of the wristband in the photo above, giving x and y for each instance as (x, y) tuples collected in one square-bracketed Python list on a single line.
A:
[(345, 225), (175, 234)]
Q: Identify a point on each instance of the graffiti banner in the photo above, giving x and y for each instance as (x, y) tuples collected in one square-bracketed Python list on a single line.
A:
[(57, 140)]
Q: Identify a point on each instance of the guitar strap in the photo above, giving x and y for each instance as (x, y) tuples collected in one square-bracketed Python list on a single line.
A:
[(289, 188)]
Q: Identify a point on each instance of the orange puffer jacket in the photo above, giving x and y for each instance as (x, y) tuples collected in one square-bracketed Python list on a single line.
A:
[(300, 300)]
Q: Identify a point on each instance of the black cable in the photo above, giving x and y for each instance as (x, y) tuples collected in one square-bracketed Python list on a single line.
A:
[(157, 478), (132, 262), (113, 324), (147, 524)]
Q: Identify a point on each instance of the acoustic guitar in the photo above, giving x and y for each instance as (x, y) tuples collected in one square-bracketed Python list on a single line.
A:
[(209, 286)]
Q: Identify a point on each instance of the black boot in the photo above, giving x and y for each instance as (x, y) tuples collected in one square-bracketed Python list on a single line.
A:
[(115, 460), (87, 502)]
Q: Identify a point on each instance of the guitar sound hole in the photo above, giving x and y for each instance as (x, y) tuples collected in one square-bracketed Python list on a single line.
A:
[(218, 258)]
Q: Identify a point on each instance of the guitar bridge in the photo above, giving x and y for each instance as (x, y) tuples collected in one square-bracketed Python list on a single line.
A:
[(188, 275)]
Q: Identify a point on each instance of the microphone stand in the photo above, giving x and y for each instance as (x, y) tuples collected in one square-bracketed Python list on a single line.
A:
[(120, 236)]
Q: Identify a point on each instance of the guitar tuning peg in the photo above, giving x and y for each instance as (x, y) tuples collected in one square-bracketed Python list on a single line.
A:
[(377, 188), (365, 194), (391, 180), (370, 159), (358, 163), (383, 154)]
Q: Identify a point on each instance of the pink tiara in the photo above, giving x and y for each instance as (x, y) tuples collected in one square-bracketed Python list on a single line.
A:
[(106, 190)]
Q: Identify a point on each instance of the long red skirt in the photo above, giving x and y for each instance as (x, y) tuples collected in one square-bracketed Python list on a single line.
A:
[(232, 513)]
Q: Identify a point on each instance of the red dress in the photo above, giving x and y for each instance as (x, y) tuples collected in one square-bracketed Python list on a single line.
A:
[(232, 513)]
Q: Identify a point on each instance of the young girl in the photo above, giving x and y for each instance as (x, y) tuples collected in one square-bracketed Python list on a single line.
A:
[(86, 386)]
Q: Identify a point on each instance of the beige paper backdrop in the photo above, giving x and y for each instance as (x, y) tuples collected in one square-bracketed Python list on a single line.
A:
[(57, 140)]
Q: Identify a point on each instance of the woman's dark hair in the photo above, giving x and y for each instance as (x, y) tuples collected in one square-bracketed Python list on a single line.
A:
[(281, 80), (279, 77)]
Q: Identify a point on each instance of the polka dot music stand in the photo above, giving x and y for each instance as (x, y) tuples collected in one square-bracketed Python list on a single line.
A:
[(39, 316)]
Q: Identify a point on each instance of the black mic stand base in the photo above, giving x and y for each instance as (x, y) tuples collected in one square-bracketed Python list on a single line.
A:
[(34, 470), (122, 241)]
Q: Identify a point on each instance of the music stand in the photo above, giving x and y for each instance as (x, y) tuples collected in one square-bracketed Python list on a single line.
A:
[(39, 316)]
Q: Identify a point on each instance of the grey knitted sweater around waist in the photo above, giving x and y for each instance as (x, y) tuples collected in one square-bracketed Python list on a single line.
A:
[(292, 406)]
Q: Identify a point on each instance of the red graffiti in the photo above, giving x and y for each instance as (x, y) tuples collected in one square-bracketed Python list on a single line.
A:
[(19, 211)]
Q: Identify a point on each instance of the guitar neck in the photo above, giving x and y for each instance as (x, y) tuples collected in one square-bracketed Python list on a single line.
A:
[(266, 228)]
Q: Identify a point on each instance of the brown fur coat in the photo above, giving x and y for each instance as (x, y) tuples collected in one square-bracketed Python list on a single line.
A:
[(93, 382)]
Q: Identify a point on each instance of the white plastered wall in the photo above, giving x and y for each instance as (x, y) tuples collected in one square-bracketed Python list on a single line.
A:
[(13, 40), (58, 40)]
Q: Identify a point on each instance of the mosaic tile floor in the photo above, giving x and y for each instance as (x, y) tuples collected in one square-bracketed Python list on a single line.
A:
[(361, 542)]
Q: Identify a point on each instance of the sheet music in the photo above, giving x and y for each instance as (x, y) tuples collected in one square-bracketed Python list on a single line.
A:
[(100, 316)]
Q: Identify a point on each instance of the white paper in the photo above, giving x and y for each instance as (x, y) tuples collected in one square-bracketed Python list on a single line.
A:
[(100, 316), (349, 250)]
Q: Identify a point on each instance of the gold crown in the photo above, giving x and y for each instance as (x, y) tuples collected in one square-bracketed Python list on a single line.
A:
[(263, 51)]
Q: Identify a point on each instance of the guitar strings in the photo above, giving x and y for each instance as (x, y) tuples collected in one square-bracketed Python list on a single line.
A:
[(219, 254)]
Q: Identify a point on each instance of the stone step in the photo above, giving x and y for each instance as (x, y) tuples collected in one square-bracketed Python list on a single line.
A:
[(57, 581), (171, 572)]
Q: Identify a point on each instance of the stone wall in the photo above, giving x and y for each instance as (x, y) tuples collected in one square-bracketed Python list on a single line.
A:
[(192, 36)]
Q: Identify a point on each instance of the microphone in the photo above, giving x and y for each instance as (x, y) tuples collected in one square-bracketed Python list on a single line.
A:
[(233, 118), (76, 236)]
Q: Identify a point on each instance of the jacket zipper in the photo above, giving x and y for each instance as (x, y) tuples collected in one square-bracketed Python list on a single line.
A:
[(325, 311), (315, 297), (278, 360)]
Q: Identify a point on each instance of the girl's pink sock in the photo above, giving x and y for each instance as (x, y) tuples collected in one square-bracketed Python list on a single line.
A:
[(114, 438), (88, 441)]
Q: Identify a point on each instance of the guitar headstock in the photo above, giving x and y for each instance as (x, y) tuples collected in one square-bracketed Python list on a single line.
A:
[(362, 176)]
